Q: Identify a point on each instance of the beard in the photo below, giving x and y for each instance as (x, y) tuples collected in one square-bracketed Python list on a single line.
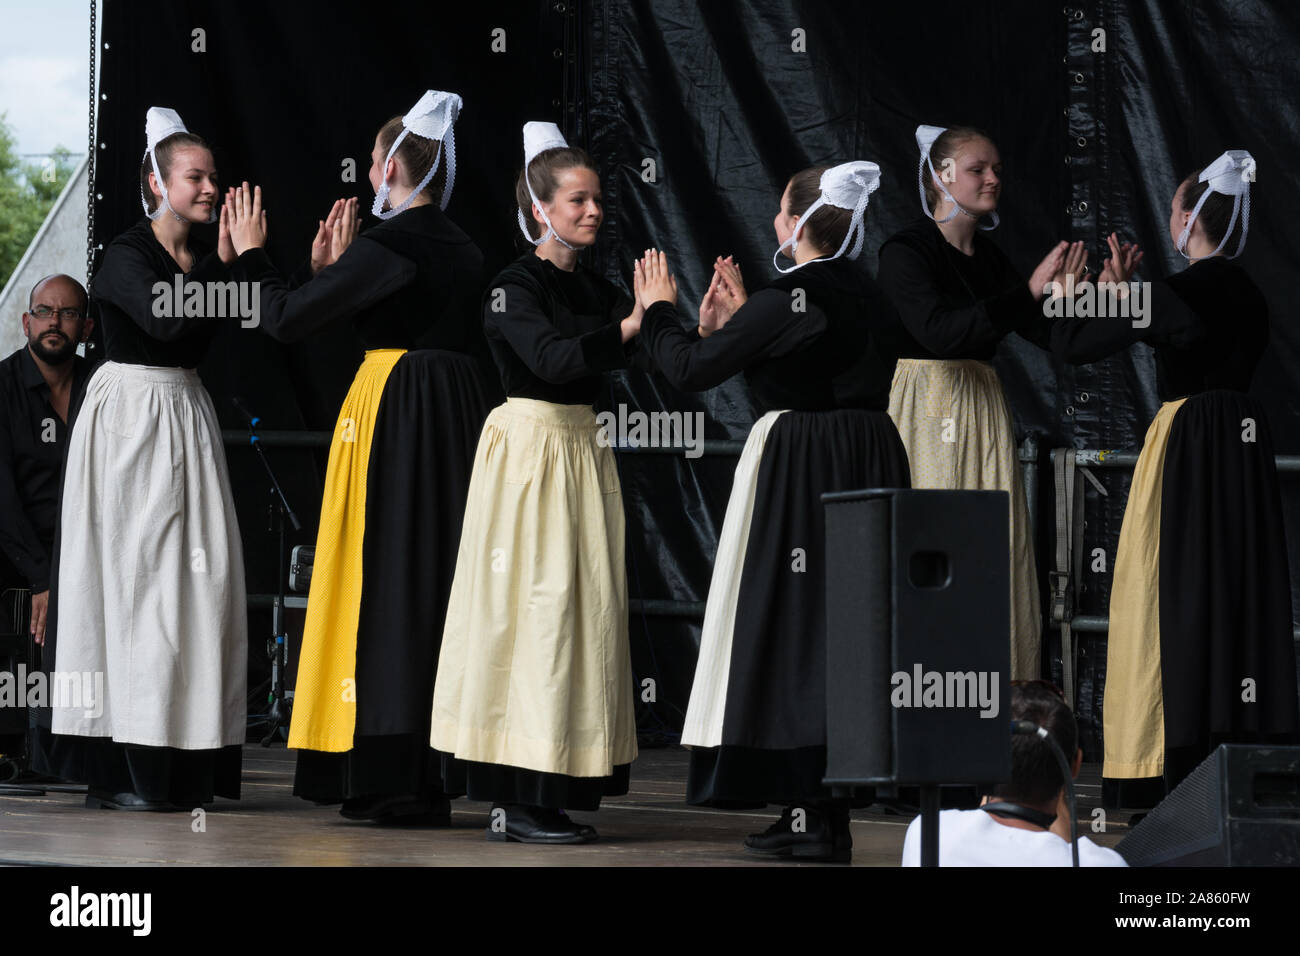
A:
[(53, 351)]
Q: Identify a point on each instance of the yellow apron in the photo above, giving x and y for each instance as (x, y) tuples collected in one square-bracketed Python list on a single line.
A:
[(325, 699), (1133, 712)]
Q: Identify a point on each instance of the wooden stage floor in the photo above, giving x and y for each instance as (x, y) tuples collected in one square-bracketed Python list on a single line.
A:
[(650, 826)]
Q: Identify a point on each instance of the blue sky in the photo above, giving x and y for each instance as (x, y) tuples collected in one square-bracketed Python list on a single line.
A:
[(44, 69)]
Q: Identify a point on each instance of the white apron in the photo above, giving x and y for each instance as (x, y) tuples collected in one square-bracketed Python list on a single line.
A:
[(151, 603)]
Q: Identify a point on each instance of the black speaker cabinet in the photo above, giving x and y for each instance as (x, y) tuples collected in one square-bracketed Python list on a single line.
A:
[(1240, 807), (918, 637)]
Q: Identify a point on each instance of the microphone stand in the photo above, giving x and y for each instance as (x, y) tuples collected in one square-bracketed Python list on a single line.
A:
[(930, 825), (277, 647)]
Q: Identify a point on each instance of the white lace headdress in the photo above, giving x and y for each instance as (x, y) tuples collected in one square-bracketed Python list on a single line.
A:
[(1229, 175), (159, 123), (847, 186), (925, 137), (433, 117), (539, 137)]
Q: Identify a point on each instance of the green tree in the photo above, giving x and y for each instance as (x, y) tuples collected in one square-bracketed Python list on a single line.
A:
[(27, 191)]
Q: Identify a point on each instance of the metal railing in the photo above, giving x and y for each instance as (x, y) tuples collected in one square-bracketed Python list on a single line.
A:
[(1028, 454), (1127, 460), (650, 607)]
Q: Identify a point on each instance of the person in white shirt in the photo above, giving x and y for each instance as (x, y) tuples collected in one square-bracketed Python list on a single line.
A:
[(987, 837)]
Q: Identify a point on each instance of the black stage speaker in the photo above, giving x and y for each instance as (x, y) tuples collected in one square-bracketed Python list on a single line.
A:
[(918, 651), (1240, 807)]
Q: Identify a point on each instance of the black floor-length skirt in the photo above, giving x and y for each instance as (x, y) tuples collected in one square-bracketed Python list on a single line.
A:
[(431, 411), (184, 778), (1226, 657), (772, 742), (497, 783)]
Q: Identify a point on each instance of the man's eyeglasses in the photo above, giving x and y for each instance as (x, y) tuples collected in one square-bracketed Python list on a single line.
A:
[(45, 312)]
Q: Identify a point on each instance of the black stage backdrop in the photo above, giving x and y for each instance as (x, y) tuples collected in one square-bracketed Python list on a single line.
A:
[(697, 113)]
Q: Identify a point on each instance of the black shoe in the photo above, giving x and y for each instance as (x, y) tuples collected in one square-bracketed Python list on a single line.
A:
[(822, 835), (525, 824), (99, 800), (403, 809), (585, 829)]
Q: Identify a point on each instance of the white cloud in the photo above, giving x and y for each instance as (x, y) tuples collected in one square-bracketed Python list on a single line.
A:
[(44, 72)]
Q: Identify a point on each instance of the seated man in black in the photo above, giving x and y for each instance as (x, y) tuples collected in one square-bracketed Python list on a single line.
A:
[(40, 386), (1041, 837)]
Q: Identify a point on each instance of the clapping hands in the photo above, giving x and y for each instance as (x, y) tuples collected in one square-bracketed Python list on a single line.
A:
[(1074, 265), (334, 234), (652, 281), (1123, 260), (243, 219), (725, 294)]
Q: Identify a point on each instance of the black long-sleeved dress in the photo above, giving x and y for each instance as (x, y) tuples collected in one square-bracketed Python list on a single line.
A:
[(817, 350), (150, 580), (534, 690), (32, 442), (1200, 650), (946, 398), (32, 439), (394, 500)]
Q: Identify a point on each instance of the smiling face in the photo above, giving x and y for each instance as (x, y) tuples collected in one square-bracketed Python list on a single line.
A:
[(575, 210), (192, 186), (976, 171)]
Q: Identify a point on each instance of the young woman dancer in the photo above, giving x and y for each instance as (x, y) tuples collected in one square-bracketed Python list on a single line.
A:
[(1200, 650), (398, 468), (150, 588), (958, 296), (817, 350), (534, 690)]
